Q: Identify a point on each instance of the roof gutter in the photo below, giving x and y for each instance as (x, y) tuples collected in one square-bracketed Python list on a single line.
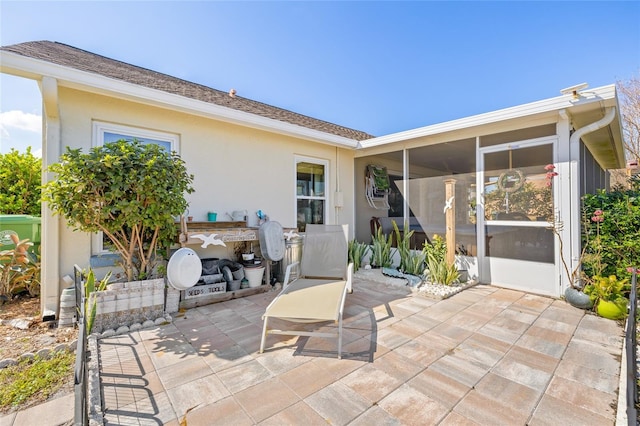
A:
[(596, 125), (36, 69)]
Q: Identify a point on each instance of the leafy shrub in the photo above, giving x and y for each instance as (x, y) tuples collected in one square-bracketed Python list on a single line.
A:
[(612, 242), (127, 190), (441, 272), (437, 248), (21, 177), (607, 288)]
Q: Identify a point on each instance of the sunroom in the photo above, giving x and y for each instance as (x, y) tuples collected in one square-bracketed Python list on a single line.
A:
[(496, 185)]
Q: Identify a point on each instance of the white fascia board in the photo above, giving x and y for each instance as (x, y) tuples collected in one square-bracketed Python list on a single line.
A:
[(23, 66), (539, 107)]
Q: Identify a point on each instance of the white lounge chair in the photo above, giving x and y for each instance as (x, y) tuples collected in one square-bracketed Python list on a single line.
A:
[(319, 292)]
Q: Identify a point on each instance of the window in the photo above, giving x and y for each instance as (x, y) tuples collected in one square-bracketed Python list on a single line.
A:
[(311, 191), (108, 132)]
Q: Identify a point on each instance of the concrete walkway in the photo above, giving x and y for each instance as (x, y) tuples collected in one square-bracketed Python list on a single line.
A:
[(54, 412), (486, 356)]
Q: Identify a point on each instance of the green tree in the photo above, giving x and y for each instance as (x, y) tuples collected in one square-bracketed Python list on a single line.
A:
[(130, 191), (20, 183)]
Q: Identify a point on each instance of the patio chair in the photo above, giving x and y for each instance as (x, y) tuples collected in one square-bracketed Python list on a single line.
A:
[(319, 292)]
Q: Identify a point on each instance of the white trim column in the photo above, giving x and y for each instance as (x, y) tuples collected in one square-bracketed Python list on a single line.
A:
[(566, 202), (50, 244), (405, 185)]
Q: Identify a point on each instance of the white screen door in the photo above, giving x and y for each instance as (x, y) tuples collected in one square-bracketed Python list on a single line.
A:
[(516, 246)]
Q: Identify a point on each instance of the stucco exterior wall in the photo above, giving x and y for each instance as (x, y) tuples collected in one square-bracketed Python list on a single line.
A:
[(234, 167)]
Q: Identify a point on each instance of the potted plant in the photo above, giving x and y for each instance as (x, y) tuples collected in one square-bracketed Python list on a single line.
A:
[(608, 296), (128, 190)]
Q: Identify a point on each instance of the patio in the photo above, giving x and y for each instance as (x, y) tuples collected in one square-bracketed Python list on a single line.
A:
[(484, 356)]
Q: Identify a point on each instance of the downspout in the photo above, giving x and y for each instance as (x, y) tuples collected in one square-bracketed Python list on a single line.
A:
[(50, 247), (574, 152)]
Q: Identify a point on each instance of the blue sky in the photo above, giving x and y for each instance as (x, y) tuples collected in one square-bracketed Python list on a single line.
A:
[(380, 67)]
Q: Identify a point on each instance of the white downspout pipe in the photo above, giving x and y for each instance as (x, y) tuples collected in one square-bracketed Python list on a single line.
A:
[(50, 247), (574, 152)]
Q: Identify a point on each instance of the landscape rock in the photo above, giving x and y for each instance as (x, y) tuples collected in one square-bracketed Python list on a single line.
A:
[(7, 362), (20, 323), (44, 353), (27, 356)]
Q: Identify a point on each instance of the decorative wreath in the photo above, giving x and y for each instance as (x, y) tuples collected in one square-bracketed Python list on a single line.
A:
[(511, 180)]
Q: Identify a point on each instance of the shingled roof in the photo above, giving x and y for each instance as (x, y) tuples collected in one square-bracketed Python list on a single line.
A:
[(69, 56)]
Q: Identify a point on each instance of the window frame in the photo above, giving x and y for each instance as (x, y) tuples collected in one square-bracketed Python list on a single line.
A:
[(99, 128), (327, 187)]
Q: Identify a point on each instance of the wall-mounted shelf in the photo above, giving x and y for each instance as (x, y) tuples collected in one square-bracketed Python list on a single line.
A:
[(224, 231)]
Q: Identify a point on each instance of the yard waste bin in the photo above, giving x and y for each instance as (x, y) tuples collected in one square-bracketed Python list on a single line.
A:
[(26, 226)]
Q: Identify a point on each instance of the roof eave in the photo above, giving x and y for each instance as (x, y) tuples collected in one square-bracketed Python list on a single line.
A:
[(538, 107), (35, 69)]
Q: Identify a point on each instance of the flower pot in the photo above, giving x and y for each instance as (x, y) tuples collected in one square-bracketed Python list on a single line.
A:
[(254, 276), (611, 310), (238, 274), (234, 285), (577, 298)]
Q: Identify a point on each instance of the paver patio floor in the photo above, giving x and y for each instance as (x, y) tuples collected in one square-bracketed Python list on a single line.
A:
[(487, 356)]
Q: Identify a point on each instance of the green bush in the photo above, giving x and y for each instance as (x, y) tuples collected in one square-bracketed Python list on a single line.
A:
[(20, 183), (611, 234), (436, 248)]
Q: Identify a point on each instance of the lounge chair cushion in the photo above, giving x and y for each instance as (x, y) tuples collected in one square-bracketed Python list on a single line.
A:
[(319, 300)]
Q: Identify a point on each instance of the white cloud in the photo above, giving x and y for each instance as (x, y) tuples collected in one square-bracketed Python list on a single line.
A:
[(20, 120), (19, 130)]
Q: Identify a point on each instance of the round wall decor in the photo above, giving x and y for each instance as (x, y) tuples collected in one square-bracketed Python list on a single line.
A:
[(511, 180)]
